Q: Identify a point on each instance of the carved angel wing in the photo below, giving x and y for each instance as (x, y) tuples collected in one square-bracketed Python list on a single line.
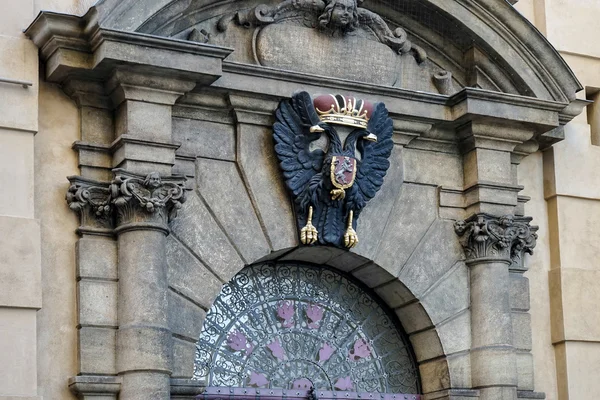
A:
[(374, 161), (292, 136)]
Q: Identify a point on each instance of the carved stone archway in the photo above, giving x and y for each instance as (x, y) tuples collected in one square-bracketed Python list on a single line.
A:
[(180, 187)]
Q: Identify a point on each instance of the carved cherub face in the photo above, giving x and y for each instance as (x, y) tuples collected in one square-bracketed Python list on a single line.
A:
[(152, 180), (340, 15), (343, 12)]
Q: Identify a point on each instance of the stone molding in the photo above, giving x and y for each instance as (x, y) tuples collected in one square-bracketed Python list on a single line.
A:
[(88, 386), (505, 238), (93, 386), (129, 201)]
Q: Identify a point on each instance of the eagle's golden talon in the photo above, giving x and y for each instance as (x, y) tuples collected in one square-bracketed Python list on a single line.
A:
[(350, 237), (309, 234), (338, 194)]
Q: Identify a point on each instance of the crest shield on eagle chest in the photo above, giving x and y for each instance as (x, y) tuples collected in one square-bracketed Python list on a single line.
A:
[(343, 171)]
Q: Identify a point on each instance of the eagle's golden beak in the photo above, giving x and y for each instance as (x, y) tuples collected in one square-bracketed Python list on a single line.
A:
[(371, 137), (316, 129)]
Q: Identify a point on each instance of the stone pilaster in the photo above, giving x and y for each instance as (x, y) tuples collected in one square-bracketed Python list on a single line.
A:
[(493, 245), (137, 209)]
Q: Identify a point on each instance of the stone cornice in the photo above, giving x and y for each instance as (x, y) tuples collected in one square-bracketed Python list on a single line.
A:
[(77, 46), (128, 202), (488, 237)]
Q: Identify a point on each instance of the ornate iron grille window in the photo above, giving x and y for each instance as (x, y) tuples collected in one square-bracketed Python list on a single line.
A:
[(296, 326)]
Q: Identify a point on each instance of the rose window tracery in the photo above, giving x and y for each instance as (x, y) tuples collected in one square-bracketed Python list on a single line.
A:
[(295, 326)]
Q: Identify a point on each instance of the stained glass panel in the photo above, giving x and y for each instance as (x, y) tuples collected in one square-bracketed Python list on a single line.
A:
[(296, 326)]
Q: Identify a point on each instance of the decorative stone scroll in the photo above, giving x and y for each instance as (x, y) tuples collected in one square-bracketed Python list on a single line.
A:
[(488, 236), (334, 17), (127, 200), (92, 201)]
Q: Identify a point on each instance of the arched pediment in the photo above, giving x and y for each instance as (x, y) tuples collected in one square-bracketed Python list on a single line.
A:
[(485, 44)]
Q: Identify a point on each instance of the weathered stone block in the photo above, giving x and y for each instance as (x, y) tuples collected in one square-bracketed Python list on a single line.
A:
[(493, 366), (373, 275), (433, 168), (220, 184), (187, 275), (414, 212), (525, 371), (455, 335), (459, 367), (97, 350), (97, 302), (426, 345), (413, 317), (347, 261), (196, 228), (314, 254), (97, 125), (395, 294), (185, 317), (519, 292), (147, 348), (144, 385), (371, 225), (450, 296), (435, 375), (487, 165), (490, 311), (260, 169), (521, 323), (97, 258), (435, 255), (184, 353), (144, 120), (205, 139)]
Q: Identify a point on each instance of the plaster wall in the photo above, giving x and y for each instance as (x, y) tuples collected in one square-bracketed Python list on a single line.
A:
[(20, 272), (564, 302), (57, 320), (36, 347)]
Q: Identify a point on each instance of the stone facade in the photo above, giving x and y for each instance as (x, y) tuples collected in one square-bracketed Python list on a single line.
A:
[(161, 113)]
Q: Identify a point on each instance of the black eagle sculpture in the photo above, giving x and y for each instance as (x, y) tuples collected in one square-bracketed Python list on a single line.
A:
[(330, 188)]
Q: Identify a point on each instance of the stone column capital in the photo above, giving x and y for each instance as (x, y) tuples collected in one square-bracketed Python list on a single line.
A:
[(146, 202), (129, 201), (489, 237), (91, 200)]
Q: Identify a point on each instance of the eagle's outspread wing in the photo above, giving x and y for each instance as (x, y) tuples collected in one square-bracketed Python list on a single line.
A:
[(294, 118), (374, 160)]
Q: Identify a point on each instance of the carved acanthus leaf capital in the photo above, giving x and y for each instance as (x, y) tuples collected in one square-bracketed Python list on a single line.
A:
[(91, 200), (129, 199), (151, 199), (503, 238)]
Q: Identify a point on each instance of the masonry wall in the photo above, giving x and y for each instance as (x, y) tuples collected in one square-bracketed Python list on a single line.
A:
[(564, 185), (38, 126)]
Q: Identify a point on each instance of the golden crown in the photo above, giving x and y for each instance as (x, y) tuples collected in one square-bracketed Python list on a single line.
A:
[(341, 110)]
